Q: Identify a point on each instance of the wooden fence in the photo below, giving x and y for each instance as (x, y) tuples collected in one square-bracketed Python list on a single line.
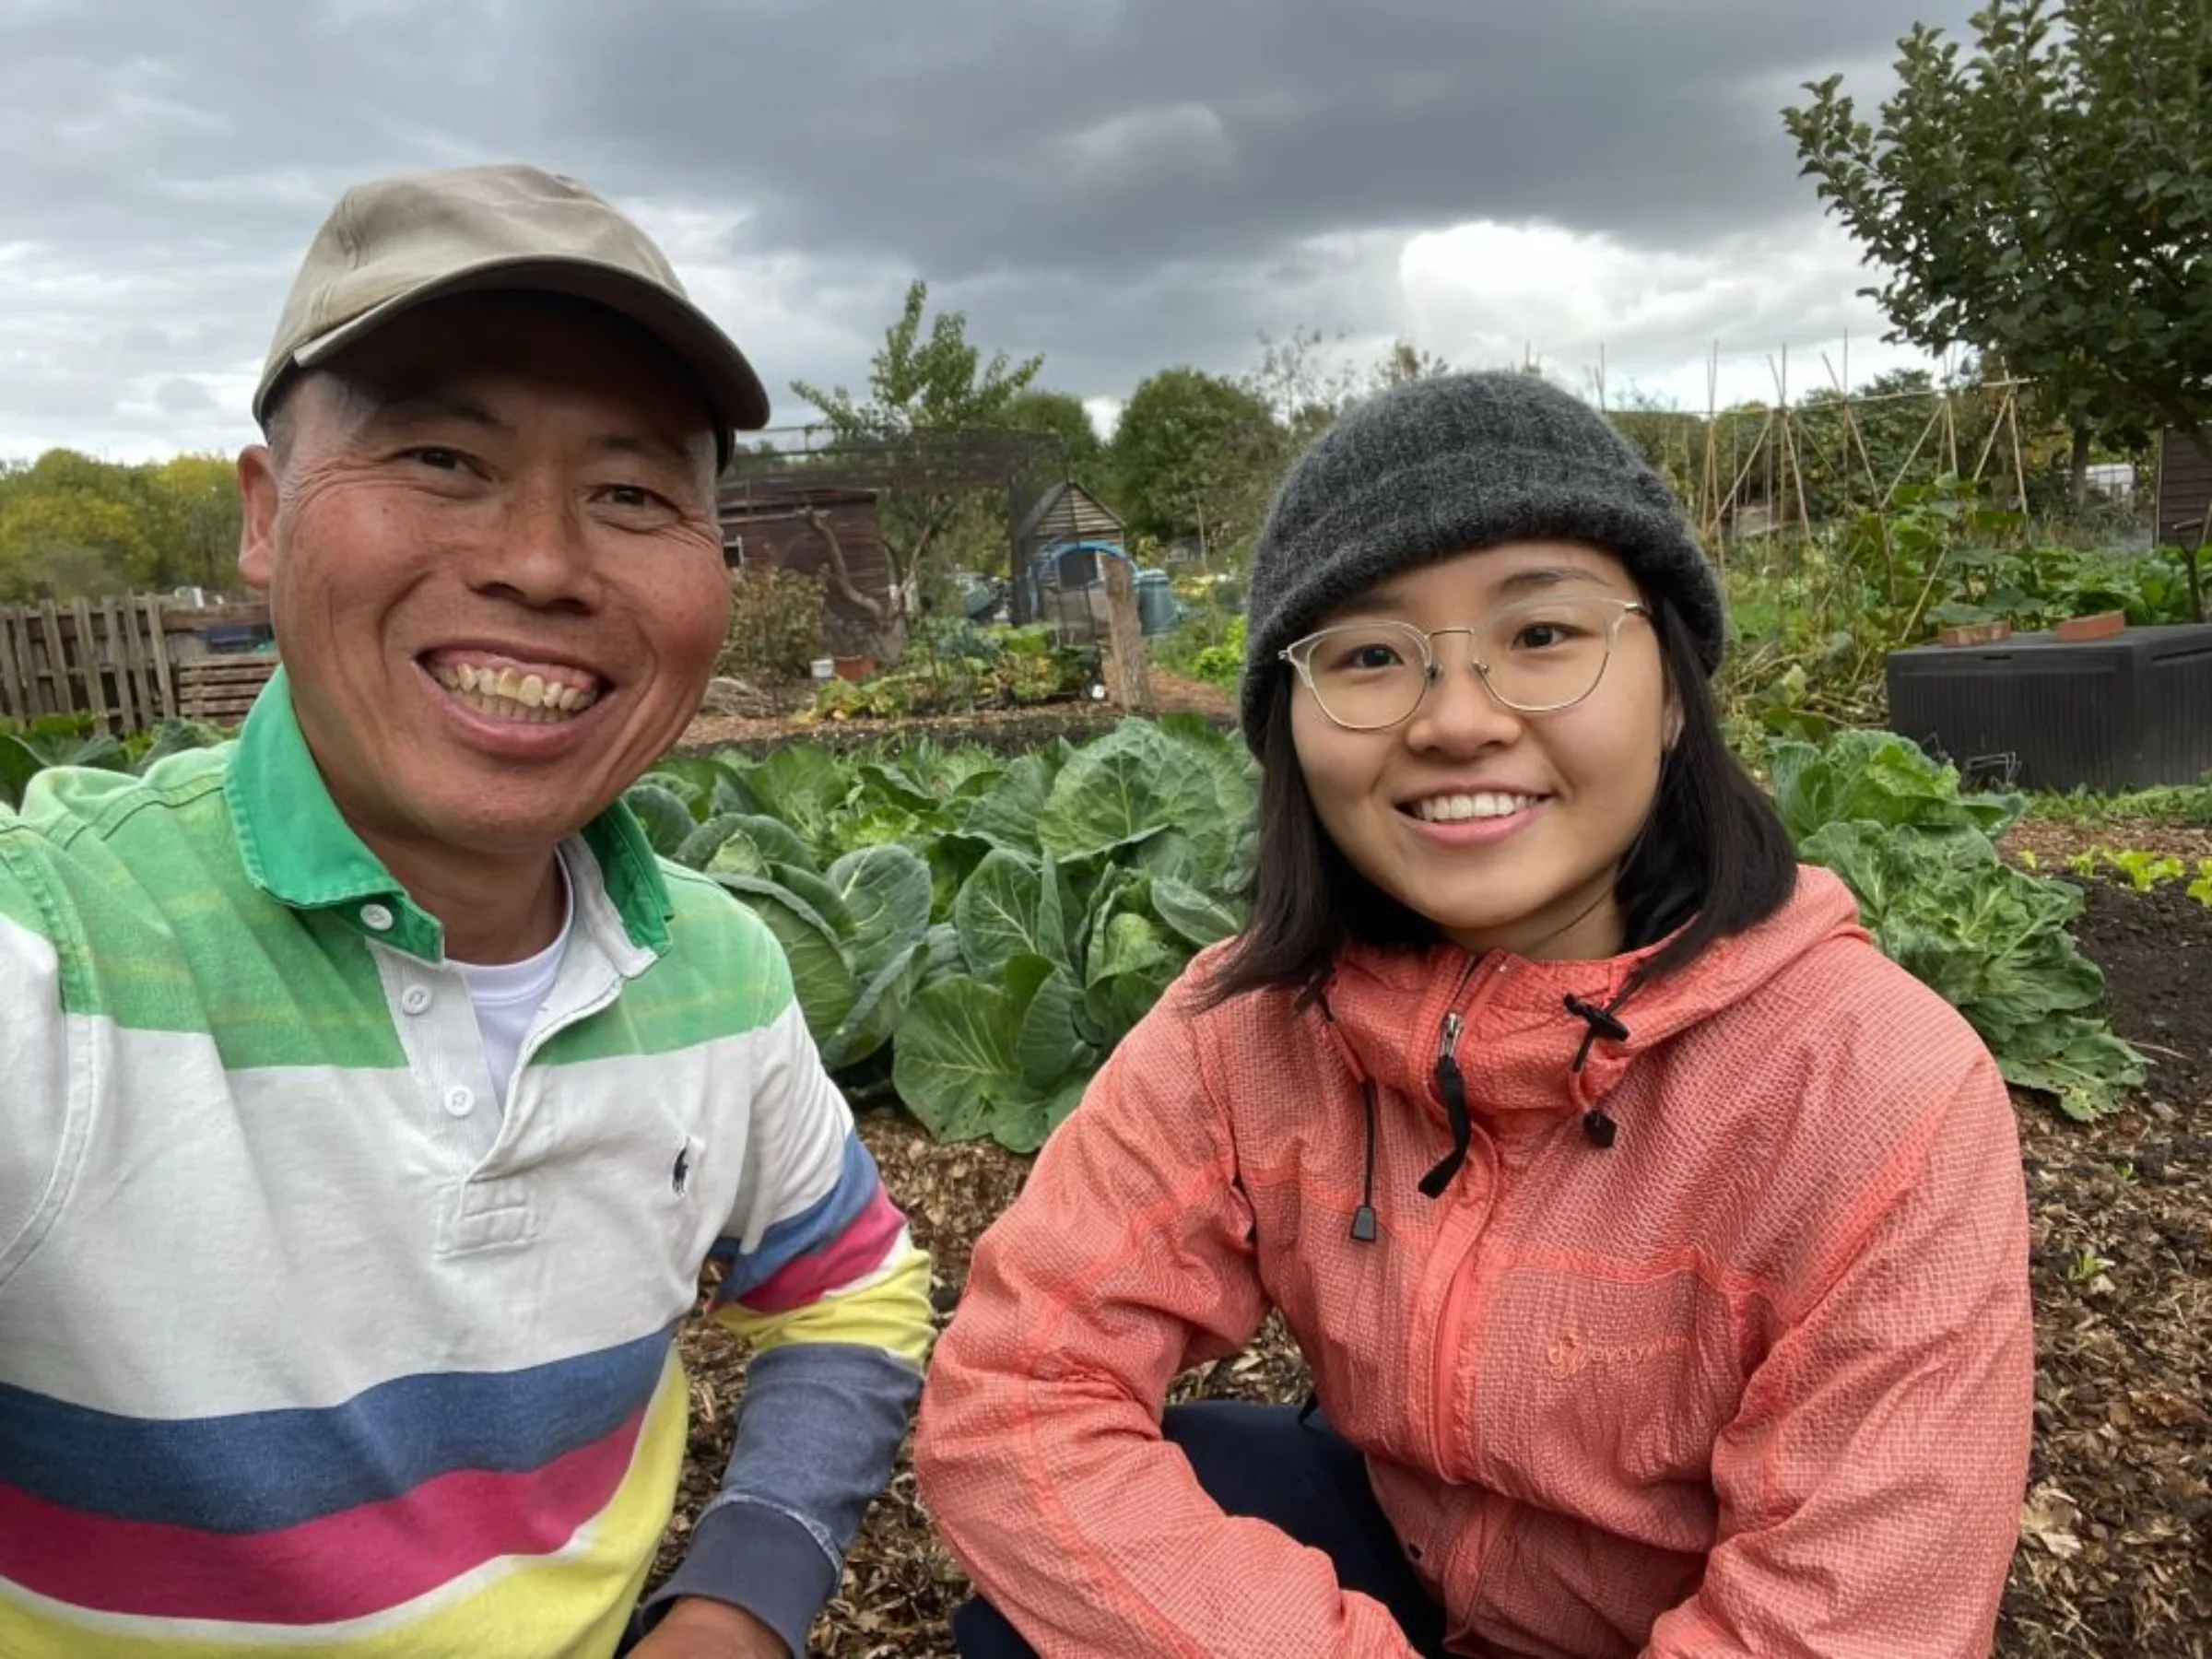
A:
[(126, 663)]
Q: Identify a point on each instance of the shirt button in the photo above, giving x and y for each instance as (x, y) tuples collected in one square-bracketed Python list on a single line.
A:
[(460, 1102), (377, 918), (414, 999)]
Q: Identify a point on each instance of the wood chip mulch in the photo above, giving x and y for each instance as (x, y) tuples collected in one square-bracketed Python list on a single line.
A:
[(2115, 1555), (997, 728)]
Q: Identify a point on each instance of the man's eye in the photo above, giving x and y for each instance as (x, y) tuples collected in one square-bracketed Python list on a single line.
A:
[(444, 460), (633, 495)]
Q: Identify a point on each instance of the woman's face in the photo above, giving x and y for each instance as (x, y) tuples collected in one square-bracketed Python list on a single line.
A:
[(1506, 830)]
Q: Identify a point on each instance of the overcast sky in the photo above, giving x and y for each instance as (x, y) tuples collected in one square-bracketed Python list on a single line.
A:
[(1120, 184)]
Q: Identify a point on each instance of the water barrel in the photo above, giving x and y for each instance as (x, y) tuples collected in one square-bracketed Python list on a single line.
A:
[(1157, 609)]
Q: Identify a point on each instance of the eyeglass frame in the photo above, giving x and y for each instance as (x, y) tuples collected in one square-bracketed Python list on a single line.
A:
[(1299, 652)]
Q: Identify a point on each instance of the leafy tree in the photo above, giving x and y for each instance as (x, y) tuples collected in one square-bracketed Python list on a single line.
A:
[(1062, 416), (922, 379), (197, 524), (72, 526), (1197, 455), (2047, 198)]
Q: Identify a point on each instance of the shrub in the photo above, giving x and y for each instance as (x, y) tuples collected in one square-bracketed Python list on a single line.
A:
[(777, 625)]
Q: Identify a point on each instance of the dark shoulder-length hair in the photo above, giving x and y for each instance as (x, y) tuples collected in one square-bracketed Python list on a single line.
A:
[(1714, 851)]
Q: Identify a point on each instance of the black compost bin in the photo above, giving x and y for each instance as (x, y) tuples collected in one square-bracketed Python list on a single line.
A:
[(2129, 711)]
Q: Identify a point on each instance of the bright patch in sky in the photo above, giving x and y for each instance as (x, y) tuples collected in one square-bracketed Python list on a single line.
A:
[(1488, 294)]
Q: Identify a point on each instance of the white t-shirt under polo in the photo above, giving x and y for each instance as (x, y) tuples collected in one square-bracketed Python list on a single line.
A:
[(507, 995)]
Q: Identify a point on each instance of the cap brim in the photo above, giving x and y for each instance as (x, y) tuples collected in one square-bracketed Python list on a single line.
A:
[(732, 390)]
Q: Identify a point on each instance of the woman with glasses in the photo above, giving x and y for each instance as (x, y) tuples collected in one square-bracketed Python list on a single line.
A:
[(1658, 1248)]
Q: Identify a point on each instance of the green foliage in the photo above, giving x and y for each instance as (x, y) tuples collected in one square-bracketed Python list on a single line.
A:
[(2044, 197), (1062, 416), (2146, 872), (30, 747), (777, 623), (2187, 804), (973, 934), (1882, 780), (1222, 665), (1197, 455), (1812, 638), (928, 380), (955, 666), (1991, 940), (73, 527)]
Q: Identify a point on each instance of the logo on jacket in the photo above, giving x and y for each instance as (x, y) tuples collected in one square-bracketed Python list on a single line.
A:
[(1570, 1355)]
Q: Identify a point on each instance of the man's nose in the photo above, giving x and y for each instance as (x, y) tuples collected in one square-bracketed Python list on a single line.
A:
[(539, 551)]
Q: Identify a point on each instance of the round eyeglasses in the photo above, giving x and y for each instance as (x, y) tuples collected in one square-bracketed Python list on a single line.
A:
[(1536, 657)]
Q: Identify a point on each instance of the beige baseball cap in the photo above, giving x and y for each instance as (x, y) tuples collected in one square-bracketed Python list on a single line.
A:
[(393, 243)]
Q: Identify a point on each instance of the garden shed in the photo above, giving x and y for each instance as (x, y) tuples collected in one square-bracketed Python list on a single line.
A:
[(1057, 549), (829, 531), (2184, 490)]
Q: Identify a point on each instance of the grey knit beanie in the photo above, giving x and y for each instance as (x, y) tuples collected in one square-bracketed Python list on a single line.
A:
[(1446, 465)]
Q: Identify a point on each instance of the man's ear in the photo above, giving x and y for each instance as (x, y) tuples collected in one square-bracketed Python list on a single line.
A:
[(257, 494)]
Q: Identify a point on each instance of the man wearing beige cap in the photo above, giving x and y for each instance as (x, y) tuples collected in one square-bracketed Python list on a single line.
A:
[(371, 1097)]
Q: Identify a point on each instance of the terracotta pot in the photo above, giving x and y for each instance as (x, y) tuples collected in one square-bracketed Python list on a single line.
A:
[(2103, 625), (1976, 633), (855, 667)]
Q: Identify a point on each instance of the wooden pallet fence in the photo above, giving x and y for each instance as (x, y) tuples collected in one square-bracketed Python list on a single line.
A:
[(221, 688), (106, 658)]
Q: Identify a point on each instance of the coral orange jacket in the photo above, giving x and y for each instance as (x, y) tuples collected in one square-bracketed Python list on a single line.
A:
[(1755, 1379)]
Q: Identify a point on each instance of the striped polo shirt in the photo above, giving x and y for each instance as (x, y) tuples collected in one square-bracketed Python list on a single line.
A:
[(289, 1361)]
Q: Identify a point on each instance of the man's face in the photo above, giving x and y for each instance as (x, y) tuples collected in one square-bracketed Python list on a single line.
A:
[(489, 537)]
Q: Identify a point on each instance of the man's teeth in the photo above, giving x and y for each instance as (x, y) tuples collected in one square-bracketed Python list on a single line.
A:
[(504, 694), (1452, 809)]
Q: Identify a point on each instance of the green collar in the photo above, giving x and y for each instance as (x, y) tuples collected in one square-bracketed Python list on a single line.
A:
[(299, 849)]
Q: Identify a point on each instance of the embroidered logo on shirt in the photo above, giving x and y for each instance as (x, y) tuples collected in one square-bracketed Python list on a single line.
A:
[(1570, 1355)]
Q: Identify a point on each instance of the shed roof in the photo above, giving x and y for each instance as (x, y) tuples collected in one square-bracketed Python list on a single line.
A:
[(1067, 512)]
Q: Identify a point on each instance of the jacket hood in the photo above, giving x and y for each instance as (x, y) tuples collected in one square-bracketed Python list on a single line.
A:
[(1520, 1046)]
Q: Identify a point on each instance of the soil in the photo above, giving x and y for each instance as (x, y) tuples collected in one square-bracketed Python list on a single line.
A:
[(1007, 730), (2115, 1554)]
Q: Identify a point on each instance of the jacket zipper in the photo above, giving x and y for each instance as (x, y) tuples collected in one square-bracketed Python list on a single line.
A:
[(1452, 1081), (1449, 1080)]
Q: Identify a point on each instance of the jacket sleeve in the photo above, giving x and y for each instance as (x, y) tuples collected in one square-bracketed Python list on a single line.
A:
[(1870, 1486), (46, 1095), (822, 1278), (1127, 1258)]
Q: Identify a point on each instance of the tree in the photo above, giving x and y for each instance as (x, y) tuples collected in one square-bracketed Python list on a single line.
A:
[(1197, 455), (1306, 383), (2047, 199), (73, 527), (195, 501), (933, 382), (1062, 416)]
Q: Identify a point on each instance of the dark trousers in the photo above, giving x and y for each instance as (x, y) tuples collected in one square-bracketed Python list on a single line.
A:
[(1261, 1462)]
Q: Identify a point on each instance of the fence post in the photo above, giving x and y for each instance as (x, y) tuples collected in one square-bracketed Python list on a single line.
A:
[(15, 669), (92, 660), (1126, 673), (149, 606)]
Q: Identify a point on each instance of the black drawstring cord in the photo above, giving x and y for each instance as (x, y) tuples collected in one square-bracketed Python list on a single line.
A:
[(1363, 1222), (1597, 1124)]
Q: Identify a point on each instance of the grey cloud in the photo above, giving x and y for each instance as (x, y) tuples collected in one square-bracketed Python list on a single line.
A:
[(185, 397), (1119, 183), (1243, 123)]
